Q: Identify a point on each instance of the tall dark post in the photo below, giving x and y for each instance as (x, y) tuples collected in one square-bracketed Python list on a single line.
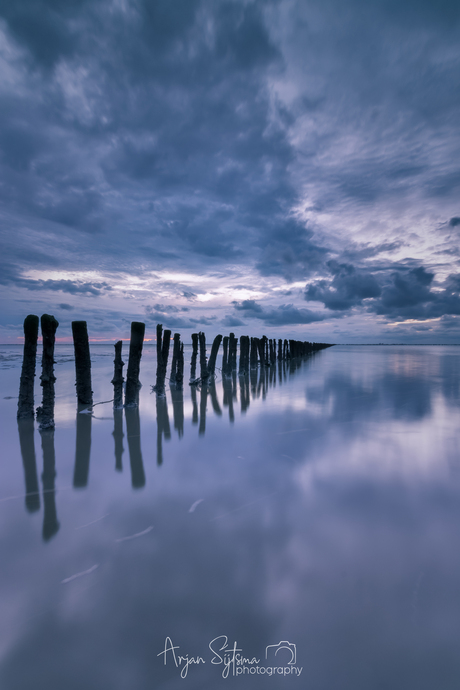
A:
[(162, 358), (232, 349), (225, 367), (175, 357), (253, 355), (26, 386), (261, 348), (280, 349), (244, 354), (118, 377), (46, 412), (180, 367), (194, 356), (203, 363), (213, 357), (82, 362), (134, 363)]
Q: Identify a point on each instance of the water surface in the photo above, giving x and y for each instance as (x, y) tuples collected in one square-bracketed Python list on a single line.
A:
[(316, 504)]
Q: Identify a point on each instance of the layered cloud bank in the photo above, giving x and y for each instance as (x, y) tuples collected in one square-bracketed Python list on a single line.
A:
[(279, 166)]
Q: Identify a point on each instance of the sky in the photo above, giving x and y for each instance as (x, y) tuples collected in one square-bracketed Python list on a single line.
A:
[(280, 167)]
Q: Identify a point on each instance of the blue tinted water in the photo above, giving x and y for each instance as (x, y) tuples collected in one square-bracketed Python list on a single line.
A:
[(316, 505)]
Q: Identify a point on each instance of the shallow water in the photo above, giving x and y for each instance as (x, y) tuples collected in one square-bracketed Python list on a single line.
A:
[(317, 504)]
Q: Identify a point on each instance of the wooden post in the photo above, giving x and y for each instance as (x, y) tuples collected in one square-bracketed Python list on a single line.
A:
[(26, 386), (233, 343), (82, 362), (180, 366), (203, 363), (225, 356), (118, 377), (134, 362), (213, 357), (46, 412), (175, 357), (244, 354), (194, 356), (162, 358), (280, 349)]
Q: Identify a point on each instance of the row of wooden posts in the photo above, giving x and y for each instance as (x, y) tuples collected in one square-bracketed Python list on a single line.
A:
[(253, 352)]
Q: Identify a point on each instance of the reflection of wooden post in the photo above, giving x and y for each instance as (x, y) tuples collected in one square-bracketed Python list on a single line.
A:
[(203, 363), (118, 434), (26, 386), (133, 434), (82, 362), (194, 356), (82, 449), (213, 357), (134, 363), (50, 520), (162, 358), (203, 405), (46, 411), (118, 377), (163, 428), (26, 441)]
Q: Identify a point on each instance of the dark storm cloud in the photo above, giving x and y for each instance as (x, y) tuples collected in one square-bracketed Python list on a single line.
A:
[(66, 307), (148, 135), (406, 293), (347, 289), (284, 315)]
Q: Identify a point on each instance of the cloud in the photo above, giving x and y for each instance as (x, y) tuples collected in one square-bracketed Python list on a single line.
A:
[(65, 306), (454, 222), (347, 289), (284, 315)]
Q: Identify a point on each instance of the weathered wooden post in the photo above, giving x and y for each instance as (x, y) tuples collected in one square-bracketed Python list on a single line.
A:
[(280, 349), (261, 349), (134, 362), (175, 357), (162, 358), (212, 359), (225, 367), (46, 412), (253, 353), (232, 349), (26, 386), (194, 356), (180, 366), (244, 354), (203, 363), (82, 362), (118, 377)]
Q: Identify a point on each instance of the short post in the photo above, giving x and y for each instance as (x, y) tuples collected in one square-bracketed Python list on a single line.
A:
[(118, 377), (82, 362), (46, 412), (134, 362), (26, 386)]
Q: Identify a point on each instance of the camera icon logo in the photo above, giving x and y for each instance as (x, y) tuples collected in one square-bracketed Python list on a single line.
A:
[(273, 649)]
